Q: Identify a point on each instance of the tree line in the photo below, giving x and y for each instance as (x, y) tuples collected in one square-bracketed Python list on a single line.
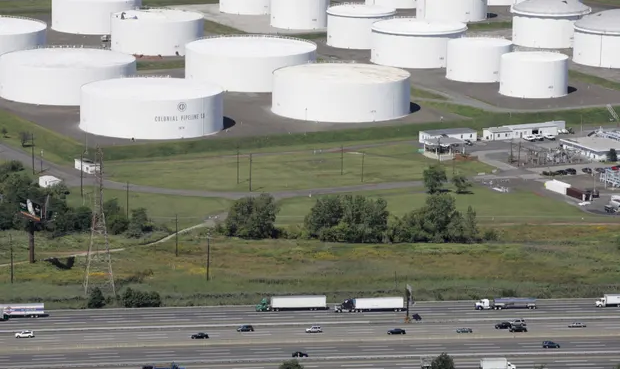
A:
[(361, 219)]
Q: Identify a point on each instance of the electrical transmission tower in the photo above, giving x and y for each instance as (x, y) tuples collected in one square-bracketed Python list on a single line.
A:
[(98, 271)]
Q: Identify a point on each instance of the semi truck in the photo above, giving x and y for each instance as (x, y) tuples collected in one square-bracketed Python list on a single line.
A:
[(506, 303), (496, 363), (359, 305), (278, 303), (22, 311), (608, 300)]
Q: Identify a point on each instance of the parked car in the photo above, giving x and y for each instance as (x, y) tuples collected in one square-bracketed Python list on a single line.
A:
[(464, 330), (200, 336), (599, 170), (529, 138), (503, 325), (587, 170), (561, 172), (615, 168), (24, 334), (550, 137), (577, 325), (550, 344), (396, 331), (245, 328), (299, 354), (593, 192), (469, 143), (539, 137), (314, 329), (571, 171)]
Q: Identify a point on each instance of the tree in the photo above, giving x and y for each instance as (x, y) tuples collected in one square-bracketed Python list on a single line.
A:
[(96, 299), (461, 183), (612, 155), (434, 178), (471, 233), (443, 361), (4, 132), (291, 364), (140, 299), (252, 217), (139, 224)]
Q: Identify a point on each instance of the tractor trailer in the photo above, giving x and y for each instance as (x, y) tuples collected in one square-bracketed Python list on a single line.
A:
[(22, 311), (506, 303), (359, 305), (608, 300), (496, 363), (278, 303)]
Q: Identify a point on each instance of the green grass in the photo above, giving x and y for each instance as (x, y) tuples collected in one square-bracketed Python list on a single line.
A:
[(155, 65), (484, 26), (425, 94), (161, 208), (284, 172), (593, 80)]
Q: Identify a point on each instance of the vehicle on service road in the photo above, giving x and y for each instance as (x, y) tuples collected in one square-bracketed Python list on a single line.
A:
[(172, 366), (22, 310), (299, 354), (200, 336), (314, 329), (550, 344), (496, 363), (245, 328), (608, 300), (503, 325), (515, 328), (577, 325), (506, 303), (371, 304), (396, 331), (464, 330), (308, 302), (24, 334)]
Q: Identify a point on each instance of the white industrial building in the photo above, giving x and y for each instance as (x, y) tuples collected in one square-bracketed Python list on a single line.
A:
[(19, 33), (413, 43), (597, 40), (396, 4), (244, 63), (151, 108), (476, 59), (245, 7), (534, 75), (54, 75), (162, 32), (87, 17), (349, 26), (464, 11), (595, 146), (546, 24), (516, 131), (49, 181), (461, 134), (341, 92), (299, 14), (86, 166)]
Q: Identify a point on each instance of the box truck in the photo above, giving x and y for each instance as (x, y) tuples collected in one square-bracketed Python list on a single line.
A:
[(359, 305), (506, 303), (22, 311), (277, 303), (608, 300), (496, 363)]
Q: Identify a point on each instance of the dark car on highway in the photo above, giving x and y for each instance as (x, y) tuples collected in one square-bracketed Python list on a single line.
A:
[(550, 344), (517, 328), (299, 354), (200, 336), (396, 331), (245, 328), (464, 330), (502, 325)]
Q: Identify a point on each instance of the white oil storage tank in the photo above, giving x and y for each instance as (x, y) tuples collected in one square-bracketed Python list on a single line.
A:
[(244, 63), (413, 43), (155, 31), (534, 75), (87, 17), (597, 40), (299, 14), (19, 33), (503, 2), (476, 59), (349, 25), (546, 24), (452, 10), (54, 75), (151, 108), (245, 7), (396, 4), (341, 92)]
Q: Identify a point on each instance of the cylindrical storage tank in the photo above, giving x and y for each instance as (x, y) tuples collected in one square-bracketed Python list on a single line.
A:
[(341, 92), (534, 75), (87, 17), (396, 4), (476, 59), (503, 2), (245, 7), (151, 108), (349, 25), (19, 33), (413, 43), (299, 14), (54, 76), (452, 10), (546, 24), (155, 31), (597, 40), (244, 63)]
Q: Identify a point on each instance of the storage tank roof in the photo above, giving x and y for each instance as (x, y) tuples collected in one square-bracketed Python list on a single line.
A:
[(68, 57), (605, 22), (418, 27), (361, 11), (482, 41), (152, 88), (551, 8), (535, 56), (160, 15), (20, 25), (344, 73), (251, 46)]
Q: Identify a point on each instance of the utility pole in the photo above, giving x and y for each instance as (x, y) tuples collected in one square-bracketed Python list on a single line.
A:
[(127, 200), (250, 178), (82, 175), (208, 257), (31, 230), (41, 162), (32, 151), (237, 164), (363, 156), (11, 247), (512, 155), (453, 164), (341, 160), (176, 235), (519, 155)]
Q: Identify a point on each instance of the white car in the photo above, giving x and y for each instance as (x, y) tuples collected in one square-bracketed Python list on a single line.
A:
[(529, 138), (550, 137), (314, 329), (24, 334)]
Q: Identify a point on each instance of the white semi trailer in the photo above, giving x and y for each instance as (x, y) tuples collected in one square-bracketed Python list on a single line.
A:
[(278, 303), (608, 300), (359, 305), (496, 363), (22, 310)]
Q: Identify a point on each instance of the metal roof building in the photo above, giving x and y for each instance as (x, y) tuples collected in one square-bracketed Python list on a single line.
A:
[(460, 134)]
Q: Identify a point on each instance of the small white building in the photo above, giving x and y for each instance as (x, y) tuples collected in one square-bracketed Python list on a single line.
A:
[(87, 166), (461, 134), (514, 131), (48, 181), (593, 147)]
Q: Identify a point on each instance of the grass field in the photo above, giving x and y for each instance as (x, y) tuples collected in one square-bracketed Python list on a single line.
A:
[(425, 94), (156, 65), (593, 80), (284, 172)]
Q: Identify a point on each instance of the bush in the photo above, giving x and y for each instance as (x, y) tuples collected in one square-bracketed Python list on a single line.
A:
[(140, 299), (96, 299)]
